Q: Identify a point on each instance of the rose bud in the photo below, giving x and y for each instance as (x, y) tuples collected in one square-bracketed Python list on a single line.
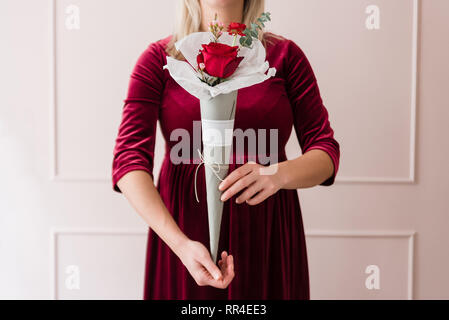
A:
[(220, 60)]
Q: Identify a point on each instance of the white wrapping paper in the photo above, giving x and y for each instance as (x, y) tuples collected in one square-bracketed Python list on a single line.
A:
[(251, 69)]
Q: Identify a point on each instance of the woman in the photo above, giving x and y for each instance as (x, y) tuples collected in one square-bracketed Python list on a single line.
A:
[(262, 223)]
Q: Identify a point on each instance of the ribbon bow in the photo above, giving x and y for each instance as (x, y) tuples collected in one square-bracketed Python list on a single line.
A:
[(214, 166)]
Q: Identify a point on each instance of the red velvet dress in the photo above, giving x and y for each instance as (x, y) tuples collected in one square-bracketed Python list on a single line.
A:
[(267, 240)]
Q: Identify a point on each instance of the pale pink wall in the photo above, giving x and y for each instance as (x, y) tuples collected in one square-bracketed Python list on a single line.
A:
[(428, 201), (367, 208)]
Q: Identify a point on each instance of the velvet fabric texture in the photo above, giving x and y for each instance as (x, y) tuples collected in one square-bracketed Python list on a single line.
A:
[(267, 240)]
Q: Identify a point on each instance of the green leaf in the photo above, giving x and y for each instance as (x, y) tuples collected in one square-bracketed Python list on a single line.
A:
[(265, 16), (253, 30), (246, 41)]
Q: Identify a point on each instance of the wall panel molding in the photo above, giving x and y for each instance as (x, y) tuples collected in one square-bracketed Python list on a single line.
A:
[(413, 110), (409, 235), (315, 233), (55, 233)]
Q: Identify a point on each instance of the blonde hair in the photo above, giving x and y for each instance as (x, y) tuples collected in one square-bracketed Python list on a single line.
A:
[(188, 21)]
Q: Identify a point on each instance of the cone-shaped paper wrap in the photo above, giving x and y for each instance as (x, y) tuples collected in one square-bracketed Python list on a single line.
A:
[(217, 119), (218, 105)]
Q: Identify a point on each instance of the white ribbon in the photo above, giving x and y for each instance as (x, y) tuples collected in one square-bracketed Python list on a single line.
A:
[(214, 166)]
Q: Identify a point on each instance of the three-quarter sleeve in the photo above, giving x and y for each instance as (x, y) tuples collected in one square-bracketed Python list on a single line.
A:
[(134, 145), (310, 117)]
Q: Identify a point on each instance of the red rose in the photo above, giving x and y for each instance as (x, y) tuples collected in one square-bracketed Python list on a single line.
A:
[(236, 28), (220, 60)]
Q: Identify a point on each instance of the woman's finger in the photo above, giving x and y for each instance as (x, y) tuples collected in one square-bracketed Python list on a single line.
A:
[(231, 264), (222, 259), (236, 175), (205, 278), (224, 256), (238, 186), (211, 267), (229, 271), (250, 192), (258, 198)]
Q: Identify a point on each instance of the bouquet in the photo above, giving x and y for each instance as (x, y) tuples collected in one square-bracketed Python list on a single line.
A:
[(218, 63)]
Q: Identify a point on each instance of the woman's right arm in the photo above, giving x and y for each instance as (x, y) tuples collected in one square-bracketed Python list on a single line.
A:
[(133, 165), (138, 188)]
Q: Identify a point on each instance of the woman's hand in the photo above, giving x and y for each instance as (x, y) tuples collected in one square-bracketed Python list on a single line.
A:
[(256, 181), (196, 258)]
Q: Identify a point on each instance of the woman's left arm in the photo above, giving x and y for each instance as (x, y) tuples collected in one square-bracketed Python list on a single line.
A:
[(318, 165), (312, 168)]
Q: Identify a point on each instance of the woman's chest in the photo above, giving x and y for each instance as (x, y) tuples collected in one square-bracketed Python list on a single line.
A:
[(261, 106)]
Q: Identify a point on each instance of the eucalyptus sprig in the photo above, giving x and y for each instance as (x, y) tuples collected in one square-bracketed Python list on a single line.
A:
[(253, 30)]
